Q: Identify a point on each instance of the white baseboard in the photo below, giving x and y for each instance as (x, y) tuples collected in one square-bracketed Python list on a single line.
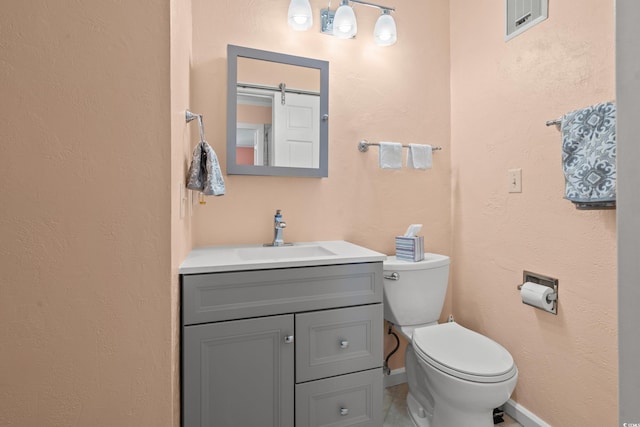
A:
[(522, 415), (397, 376)]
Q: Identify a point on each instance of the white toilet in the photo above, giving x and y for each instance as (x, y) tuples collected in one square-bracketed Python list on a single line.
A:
[(456, 376)]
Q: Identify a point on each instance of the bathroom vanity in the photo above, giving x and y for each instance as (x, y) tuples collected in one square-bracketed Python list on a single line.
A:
[(282, 336)]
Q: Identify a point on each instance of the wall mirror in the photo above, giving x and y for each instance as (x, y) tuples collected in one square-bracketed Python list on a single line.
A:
[(277, 114)]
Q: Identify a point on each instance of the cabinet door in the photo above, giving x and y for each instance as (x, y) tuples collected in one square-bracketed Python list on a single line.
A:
[(239, 373)]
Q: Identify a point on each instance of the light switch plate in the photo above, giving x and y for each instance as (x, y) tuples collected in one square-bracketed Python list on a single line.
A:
[(515, 180)]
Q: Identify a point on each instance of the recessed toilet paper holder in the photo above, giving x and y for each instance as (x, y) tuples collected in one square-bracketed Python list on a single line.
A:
[(528, 276)]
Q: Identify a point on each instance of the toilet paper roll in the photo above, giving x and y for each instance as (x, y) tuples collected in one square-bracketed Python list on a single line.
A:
[(536, 295)]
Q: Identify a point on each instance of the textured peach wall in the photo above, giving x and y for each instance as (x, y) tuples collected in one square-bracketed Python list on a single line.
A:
[(182, 135), (399, 93), (502, 95), (85, 303), (380, 94), (91, 237), (254, 114), (274, 73)]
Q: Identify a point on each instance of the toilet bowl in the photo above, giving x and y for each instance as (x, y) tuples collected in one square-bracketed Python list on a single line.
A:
[(468, 374), (456, 376)]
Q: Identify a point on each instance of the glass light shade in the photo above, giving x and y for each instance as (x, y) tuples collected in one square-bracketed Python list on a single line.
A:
[(385, 33), (300, 15), (344, 22)]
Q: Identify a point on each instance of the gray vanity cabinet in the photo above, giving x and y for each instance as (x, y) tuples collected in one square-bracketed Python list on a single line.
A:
[(283, 347)]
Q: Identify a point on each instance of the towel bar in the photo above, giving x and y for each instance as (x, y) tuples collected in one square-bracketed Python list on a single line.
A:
[(556, 122), (364, 146)]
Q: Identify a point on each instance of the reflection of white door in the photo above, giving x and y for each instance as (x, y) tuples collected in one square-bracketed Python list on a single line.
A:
[(251, 135), (296, 131)]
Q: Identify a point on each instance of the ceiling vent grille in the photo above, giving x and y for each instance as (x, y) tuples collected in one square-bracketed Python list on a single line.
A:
[(520, 15)]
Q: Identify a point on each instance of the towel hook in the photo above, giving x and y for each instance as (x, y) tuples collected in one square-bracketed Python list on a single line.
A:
[(189, 116)]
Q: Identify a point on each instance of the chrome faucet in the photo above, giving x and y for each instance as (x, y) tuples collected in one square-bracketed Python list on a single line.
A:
[(278, 226)]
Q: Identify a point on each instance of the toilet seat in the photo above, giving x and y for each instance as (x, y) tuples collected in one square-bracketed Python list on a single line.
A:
[(463, 353)]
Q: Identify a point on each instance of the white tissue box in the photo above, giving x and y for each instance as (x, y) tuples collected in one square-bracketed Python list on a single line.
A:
[(410, 248)]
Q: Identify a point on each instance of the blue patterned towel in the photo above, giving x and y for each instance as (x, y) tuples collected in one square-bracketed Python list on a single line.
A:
[(204, 173), (589, 156)]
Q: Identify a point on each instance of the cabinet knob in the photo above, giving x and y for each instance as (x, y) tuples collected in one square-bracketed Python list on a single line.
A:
[(344, 343), (344, 411), (288, 339)]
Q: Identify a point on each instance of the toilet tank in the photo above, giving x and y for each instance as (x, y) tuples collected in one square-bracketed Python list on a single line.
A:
[(417, 296)]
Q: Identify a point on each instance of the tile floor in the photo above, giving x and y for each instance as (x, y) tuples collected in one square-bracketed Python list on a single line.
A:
[(395, 409)]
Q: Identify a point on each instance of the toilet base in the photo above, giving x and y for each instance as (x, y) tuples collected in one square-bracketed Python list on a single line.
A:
[(452, 417), (418, 414), (445, 416)]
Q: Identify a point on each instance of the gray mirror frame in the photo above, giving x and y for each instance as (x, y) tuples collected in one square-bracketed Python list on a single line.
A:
[(233, 52)]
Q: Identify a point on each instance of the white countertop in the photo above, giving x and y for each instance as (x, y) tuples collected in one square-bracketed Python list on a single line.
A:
[(213, 259)]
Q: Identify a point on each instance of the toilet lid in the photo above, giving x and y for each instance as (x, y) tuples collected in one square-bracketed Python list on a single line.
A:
[(429, 261), (463, 353)]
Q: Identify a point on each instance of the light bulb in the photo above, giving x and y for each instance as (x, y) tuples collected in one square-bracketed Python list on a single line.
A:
[(300, 15), (345, 25), (385, 33)]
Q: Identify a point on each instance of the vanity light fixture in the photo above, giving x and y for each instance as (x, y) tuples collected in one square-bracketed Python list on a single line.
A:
[(384, 33), (345, 25), (300, 15), (342, 22)]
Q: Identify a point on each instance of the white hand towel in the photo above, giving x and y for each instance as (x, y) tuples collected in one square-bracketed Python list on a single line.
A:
[(390, 155), (419, 156)]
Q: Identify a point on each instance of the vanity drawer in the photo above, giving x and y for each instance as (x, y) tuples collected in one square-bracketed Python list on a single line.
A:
[(336, 342), (214, 297), (347, 400)]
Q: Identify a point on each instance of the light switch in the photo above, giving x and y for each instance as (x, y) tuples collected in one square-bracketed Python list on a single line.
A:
[(515, 180)]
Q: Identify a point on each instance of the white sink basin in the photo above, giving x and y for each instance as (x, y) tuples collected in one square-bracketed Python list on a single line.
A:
[(256, 257), (283, 252)]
